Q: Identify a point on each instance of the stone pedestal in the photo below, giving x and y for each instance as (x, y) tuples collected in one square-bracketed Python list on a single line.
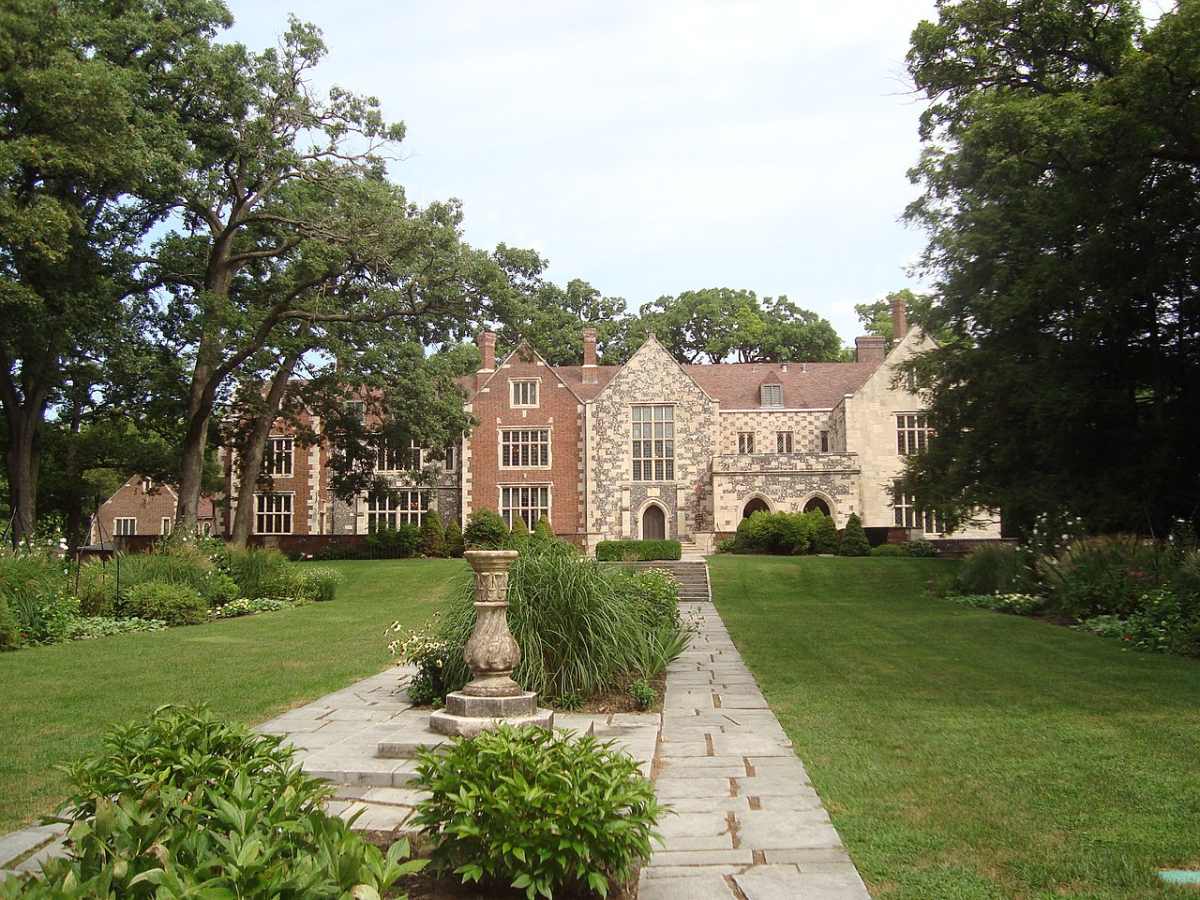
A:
[(491, 698)]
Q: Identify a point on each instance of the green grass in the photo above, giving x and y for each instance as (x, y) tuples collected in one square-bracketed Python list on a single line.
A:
[(969, 754), (55, 702)]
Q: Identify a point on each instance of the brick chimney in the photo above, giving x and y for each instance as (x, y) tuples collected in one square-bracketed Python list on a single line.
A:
[(870, 349), (487, 347), (589, 356), (899, 319)]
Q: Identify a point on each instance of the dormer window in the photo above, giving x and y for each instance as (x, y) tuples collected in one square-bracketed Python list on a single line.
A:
[(772, 394), (524, 393)]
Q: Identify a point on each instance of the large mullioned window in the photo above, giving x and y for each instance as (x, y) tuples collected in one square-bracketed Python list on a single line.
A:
[(912, 433), (273, 513), (278, 458), (654, 443), (405, 508), (907, 514), (526, 502), (522, 448)]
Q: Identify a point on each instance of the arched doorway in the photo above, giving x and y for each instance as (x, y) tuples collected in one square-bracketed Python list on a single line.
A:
[(816, 503), (756, 504), (654, 523)]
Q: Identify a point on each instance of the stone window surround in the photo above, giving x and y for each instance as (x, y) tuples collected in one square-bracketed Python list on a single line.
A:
[(500, 429), (912, 438), (164, 525), (287, 515), (907, 515), (745, 442), (280, 463), (785, 442), (502, 486), (650, 460), (394, 512), (513, 390)]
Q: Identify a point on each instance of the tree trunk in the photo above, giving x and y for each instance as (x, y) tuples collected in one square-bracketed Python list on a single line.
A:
[(22, 475), (251, 457), (74, 498)]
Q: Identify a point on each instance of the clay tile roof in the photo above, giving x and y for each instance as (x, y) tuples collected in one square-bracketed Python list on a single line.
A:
[(573, 376), (805, 385)]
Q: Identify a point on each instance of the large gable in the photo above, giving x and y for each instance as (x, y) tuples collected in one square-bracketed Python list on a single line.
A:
[(805, 385)]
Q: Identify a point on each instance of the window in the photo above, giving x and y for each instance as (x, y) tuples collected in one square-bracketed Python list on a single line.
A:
[(528, 503), (273, 514), (147, 485), (771, 394), (912, 433), (654, 443), (908, 516), (524, 448), (405, 508), (450, 464), (394, 459), (278, 458), (124, 525), (206, 529), (745, 442), (824, 441), (356, 409), (783, 442), (165, 527), (524, 392)]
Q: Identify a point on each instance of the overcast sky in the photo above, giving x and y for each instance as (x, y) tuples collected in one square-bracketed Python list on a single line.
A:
[(651, 148)]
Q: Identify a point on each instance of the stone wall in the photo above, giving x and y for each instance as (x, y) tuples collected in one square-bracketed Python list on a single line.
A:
[(806, 426), (786, 482), (837, 428), (615, 500)]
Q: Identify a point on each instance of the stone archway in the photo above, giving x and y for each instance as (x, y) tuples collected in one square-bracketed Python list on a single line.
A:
[(755, 504), (654, 523), (818, 504)]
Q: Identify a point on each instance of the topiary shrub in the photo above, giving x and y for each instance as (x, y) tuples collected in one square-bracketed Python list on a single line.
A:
[(638, 551), (825, 536), (485, 531), (454, 540), (501, 813), (890, 550), (854, 540), (433, 536), (779, 532), (921, 549), (174, 604), (184, 805), (994, 569)]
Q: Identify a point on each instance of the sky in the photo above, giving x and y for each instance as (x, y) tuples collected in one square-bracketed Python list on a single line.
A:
[(651, 148)]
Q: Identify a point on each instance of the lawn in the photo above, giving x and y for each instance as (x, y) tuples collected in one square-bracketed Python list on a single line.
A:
[(56, 701), (968, 754)]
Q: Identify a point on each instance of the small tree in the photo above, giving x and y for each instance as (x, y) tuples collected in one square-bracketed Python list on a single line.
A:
[(825, 540), (454, 540), (433, 537), (542, 530), (854, 539), (485, 531)]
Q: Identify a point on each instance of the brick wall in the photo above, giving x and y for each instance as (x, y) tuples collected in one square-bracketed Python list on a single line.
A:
[(132, 500)]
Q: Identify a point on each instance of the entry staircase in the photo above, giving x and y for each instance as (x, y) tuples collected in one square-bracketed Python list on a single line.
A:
[(692, 576)]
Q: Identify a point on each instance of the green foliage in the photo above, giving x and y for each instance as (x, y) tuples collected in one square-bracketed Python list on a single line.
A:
[(501, 812), (726, 545), (319, 585), (175, 604), (921, 549), (876, 317), (10, 631), (1017, 604), (568, 702), (1105, 575), (454, 540), (854, 540), (173, 563), (995, 569), (259, 572), (185, 805), (433, 536), (543, 530), (644, 696), (401, 542), (825, 538), (1162, 622), (583, 628), (485, 531), (429, 653), (892, 550), (775, 532), (637, 551), (518, 537), (34, 587), (246, 606), (87, 627)]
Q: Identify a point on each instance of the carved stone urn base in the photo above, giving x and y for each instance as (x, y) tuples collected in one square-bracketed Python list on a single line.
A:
[(467, 716)]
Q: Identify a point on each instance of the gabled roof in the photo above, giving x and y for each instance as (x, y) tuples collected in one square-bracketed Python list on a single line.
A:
[(805, 385)]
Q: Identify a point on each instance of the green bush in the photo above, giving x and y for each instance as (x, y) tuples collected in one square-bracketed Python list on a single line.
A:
[(543, 531), (454, 540), (1017, 604), (433, 536), (854, 540), (485, 531), (995, 569), (35, 589), (1186, 580), (246, 606), (86, 628), (637, 551), (643, 694), (825, 538), (182, 805), (1162, 623), (921, 549), (97, 589), (10, 632), (779, 532), (889, 550), (259, 572), (318, 584), (502, 812), (583, 628), (175, 604), (1105, 575), (401, 542), (726, 545)]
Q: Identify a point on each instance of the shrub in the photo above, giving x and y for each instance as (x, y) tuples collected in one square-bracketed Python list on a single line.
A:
[(454, 540), (184, 805), (922, 549), (83, 629), (1186, 581), (543, 531), (10, 633), (643, 694), (174, 604), (727, 545), (433, 536), (779, 532), (518, 537), (1105, 575), (1017, 604), (637, 551), (1162, 623), (318, 584), (889, 550), (175, 563), (34, 587), (500, 811), (400, 542), (425, 650), (995, 569), (854, 540), (825, 537), (246, 606), (583, 628), (260, 572), (485, 531)]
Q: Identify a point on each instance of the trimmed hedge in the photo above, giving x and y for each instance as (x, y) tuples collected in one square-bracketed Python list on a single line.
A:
[(637, 551)]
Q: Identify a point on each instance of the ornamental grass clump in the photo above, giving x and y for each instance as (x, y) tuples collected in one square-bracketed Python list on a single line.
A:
[(536, 810), (185, 805)]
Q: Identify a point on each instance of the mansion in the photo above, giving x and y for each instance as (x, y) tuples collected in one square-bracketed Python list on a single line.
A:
[(649, 449)]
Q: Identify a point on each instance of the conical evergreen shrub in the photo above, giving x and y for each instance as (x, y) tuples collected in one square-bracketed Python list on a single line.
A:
[(433, 537), (854, 539)]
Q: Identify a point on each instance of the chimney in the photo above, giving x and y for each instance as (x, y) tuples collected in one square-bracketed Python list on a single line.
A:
[(487, 347), (870, 349), (589, 355), (899, 318)]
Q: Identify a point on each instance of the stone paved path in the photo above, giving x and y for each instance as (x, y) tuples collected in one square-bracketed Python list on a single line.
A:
[(749, 823)]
